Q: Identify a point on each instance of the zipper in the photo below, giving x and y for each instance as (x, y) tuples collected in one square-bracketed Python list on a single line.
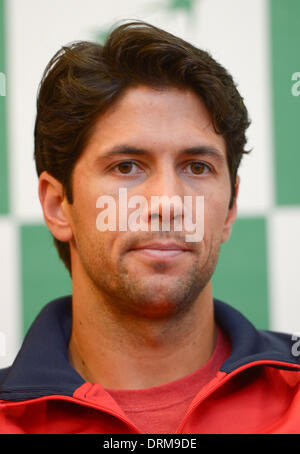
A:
[(218, 381)]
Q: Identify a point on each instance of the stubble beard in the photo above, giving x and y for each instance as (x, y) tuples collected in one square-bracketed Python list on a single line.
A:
[(156, 296)]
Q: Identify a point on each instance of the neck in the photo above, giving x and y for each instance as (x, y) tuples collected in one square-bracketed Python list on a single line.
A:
[(120, 351)]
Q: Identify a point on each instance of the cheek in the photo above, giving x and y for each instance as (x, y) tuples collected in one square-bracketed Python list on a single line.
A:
[(215, 213), (86, 195)]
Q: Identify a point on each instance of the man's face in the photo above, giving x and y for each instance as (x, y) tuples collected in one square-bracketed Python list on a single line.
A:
[(152, 143)]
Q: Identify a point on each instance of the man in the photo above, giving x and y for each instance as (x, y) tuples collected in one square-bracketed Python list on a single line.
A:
[(142, 346)]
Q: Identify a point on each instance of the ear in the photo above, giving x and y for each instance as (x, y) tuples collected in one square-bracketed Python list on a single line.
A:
[(54, 205), (232, 212)]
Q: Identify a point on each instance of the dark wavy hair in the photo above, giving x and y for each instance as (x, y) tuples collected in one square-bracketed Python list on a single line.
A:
[(84, 78)]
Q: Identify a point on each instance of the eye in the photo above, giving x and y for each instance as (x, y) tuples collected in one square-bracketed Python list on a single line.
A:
[(198, 167), (124, 167)]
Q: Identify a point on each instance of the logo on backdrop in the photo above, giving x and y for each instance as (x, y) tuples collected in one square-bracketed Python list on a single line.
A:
[(171, 8)]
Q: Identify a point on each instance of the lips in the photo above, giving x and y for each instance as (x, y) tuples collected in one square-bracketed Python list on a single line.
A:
[(169, 246), (160, 251)]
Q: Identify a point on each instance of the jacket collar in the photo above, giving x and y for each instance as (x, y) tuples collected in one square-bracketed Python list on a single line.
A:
[(42, 366), (251, 345)]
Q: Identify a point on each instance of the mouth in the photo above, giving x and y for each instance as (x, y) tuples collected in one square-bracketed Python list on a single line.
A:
[(161, 251)]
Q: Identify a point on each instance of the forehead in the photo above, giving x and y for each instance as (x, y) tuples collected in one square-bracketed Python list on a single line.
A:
[(159, 119)]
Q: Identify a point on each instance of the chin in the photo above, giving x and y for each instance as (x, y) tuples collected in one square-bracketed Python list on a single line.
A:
[(159, 309), (164, 297)]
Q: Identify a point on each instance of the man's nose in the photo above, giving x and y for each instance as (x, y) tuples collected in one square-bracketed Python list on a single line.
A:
[(164, 193)]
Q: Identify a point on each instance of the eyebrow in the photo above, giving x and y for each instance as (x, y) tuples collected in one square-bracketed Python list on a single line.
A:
[(200, 150)]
